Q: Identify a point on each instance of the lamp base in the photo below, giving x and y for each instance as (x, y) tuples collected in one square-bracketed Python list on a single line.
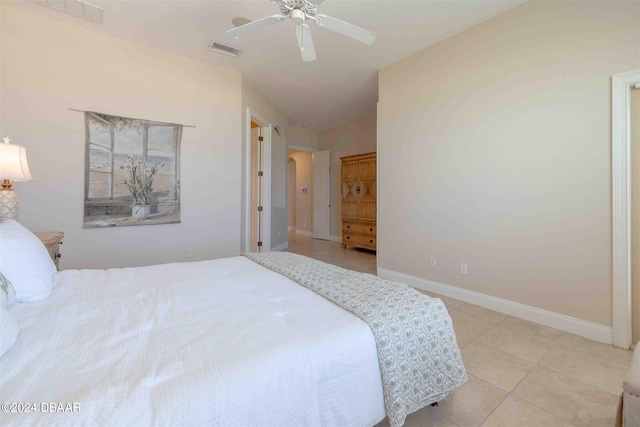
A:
[(9, 204)]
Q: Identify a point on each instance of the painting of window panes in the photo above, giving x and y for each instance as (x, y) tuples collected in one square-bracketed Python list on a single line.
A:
[(131, 171)]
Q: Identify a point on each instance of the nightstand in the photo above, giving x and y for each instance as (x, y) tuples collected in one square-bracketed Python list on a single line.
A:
[(52, 241)]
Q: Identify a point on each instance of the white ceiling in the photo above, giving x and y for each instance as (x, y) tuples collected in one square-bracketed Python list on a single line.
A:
[(340, 86)]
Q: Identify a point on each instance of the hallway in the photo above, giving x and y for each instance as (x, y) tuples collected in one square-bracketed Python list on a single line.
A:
[(350, 258)]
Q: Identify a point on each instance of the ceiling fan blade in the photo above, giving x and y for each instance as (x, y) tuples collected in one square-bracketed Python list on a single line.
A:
[(346, 29), (307, 49), (316, 2), (254, 25)]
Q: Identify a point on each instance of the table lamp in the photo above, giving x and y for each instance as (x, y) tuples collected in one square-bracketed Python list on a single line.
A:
[(13, 167)]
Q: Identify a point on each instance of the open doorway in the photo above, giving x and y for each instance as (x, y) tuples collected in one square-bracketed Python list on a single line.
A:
[(308, 192), (301, 192)]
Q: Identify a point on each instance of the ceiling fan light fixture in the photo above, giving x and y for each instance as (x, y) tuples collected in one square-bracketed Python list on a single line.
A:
[(298, 16)]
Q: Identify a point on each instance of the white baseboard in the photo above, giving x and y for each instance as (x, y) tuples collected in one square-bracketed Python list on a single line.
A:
[(310, 234), (281, 247), (562, 322)]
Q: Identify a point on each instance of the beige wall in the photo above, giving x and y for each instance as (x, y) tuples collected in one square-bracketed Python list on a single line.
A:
[(303, 201), (635, 213), (302, 137), (495, 151), (357, 137), (260, 105), (48, 67)]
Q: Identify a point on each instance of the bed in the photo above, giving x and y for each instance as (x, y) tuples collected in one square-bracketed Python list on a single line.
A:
[(227, 342)]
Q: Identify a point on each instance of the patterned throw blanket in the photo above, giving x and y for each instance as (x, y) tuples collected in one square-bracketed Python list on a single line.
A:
[(419, 357)]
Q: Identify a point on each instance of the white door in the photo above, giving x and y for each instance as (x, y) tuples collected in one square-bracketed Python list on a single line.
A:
[(321, 194), (291, 194), (254, 214)]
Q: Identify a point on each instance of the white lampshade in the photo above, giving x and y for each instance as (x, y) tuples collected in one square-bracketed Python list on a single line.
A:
[(13, 163), (13, 167)]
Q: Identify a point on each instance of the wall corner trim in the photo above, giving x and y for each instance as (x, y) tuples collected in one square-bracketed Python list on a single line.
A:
[(562, 322), (621, 85)]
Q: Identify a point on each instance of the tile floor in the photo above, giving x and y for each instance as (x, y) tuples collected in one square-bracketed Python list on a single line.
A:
[(520, 373)]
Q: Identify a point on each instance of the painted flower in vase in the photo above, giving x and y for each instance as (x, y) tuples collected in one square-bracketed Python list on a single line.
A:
[(140, 184)]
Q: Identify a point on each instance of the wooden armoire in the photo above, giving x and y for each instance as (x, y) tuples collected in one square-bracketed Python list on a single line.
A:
[(359, 210)]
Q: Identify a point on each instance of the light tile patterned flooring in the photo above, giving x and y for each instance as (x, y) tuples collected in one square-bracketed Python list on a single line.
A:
[(521, 374)]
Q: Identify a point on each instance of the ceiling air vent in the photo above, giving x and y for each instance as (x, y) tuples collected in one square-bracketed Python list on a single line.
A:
[(224, 48)]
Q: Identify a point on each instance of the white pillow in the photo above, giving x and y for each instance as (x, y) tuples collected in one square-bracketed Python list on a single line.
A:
[(25, 262), (8, 330)]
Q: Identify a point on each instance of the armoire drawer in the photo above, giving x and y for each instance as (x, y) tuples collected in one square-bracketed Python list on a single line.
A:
[(367, 229), (359, 241)]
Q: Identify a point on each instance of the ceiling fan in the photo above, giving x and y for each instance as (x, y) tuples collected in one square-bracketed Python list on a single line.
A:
[(299, 11)]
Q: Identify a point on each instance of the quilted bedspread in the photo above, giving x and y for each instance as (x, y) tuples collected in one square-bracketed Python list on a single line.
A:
[(419, 358)]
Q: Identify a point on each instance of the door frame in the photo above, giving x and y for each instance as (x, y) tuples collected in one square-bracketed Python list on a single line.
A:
[(378, 201), (621, 85), (301, 148), (265, 220)]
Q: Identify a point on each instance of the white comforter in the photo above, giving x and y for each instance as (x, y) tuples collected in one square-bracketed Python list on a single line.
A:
[(223, 342)]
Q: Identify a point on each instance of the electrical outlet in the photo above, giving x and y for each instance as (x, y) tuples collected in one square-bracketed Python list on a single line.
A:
[(434, 261), (463, 268), (189, 253)]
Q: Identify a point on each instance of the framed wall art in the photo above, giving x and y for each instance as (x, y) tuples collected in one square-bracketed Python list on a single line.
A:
[(132, 170)]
